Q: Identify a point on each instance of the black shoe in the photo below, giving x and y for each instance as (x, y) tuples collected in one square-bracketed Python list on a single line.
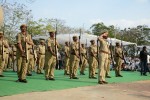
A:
[(41, 73), (96, 73), (19, 80), (23, 81), (29, 74), (90, 77), (52, 79), (100, 82), (108, 77), (2, 76), (94, 77), (75, 78), (82, 73), (105, 82), (46, 78), (120, 76), (144, 74)]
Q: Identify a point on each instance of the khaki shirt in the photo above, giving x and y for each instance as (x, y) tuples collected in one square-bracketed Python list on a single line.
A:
[(51, 43), (104, 45), (21, 39), (41, 49), (2, 46), (83, 52), (118, 52), (93, 50), (75, 48), (67, 50)]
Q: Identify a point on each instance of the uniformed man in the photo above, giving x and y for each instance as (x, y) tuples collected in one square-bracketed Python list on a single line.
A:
[(23, 40), (103, 54), (31, 61), (6, 54), (10, 59), (108, 66), (92, 59), (67, 58), (84, 59), (74, 58), (41, 56), (3, 44), (14, 60), (51, 53), (118, 59)]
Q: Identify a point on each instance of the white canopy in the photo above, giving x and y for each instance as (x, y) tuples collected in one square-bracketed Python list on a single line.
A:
[(85, 38)]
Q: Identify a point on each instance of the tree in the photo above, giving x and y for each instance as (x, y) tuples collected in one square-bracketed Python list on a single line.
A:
[(14, 15)]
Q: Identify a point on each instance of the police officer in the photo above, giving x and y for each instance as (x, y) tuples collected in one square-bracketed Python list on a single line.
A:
[(50, 62), (84, 59), (67, 58), (41, 56), (74, 58), (92, 59), (118, 59), (23, 42), (3, 44), (103, 54)]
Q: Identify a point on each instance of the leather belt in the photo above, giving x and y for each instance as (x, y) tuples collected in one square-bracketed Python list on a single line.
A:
[(104, 52), (41, 54)]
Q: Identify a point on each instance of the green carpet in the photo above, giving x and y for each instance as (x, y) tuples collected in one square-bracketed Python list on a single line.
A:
[(8, 86)]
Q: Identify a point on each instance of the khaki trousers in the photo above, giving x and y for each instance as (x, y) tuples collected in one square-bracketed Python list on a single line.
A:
[(50, 66), (92, 66), (118, 65), (83, 65), (66, 65), (74, 64), (1, 65), (21, 67), (103, 63), (41, 63)]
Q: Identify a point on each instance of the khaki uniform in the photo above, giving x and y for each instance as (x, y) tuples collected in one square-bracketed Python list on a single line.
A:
[(103, 61), (74, 60), (41, 58), (31, 61), (2, 55), (108, 66), (50, 60), (67, 60), (92, 60), (22, 61), (84, 60), (6, 54), (118, 60), (10, 59), (14, 60)]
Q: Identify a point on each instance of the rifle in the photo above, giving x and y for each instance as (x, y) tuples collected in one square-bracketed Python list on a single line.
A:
[(80, 48), (56, 42), (111, 53), (97, 50), (123, 53), (2, 50), (26, 50)]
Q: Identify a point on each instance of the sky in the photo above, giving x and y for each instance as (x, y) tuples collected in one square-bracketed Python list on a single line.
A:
[(84, 13)]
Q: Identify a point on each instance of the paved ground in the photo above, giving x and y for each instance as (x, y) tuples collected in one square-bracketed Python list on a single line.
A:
[(123, 91)]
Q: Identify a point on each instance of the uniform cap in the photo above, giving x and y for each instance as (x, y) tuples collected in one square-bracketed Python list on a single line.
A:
[(23, 25), (1, 33), (92, 40), (74, 36), (42, 40), (103, 31)]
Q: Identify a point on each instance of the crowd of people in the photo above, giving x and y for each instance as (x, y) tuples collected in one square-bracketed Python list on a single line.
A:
[(24, 57)]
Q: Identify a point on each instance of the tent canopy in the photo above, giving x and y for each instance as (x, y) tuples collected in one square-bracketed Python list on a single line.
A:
[(85, 38)]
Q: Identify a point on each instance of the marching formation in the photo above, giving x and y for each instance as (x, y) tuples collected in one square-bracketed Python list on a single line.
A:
[(25, 55)]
